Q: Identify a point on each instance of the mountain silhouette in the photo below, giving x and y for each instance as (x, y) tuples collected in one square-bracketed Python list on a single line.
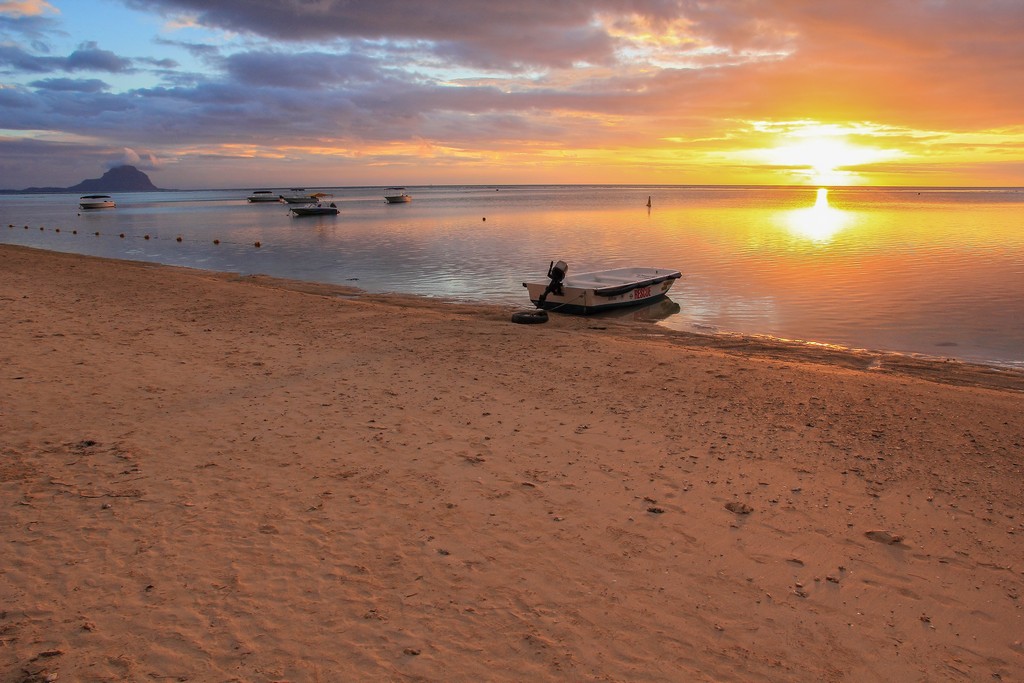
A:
[(118, 179)]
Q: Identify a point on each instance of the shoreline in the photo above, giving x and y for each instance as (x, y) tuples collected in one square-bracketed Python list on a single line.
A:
[(214, 476), (941, 369), (925, 326), (922, 366)]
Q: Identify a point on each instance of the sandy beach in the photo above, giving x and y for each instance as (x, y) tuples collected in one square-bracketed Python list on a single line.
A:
[(212, 477)]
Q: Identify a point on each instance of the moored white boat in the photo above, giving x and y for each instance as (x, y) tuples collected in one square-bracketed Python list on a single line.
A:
[(601, 290), (260, 196), (300, 196), (96, 201), (397, 195), (315, 209)]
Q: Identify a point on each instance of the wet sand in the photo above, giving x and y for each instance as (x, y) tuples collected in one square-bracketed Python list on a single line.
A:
[(209, 477)]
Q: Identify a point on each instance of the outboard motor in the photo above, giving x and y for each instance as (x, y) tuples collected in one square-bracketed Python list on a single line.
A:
[(556, 271)]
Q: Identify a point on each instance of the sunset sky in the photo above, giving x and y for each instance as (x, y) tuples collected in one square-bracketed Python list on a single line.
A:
[(252, 93)]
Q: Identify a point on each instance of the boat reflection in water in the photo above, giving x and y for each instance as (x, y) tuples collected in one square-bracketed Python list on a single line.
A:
[(819, 223), (659, 310)]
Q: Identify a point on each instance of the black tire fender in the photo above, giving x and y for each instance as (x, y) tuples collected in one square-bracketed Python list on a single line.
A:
[(533, 317)]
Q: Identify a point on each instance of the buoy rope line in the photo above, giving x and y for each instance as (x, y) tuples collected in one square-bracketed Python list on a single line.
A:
[(148, 237)]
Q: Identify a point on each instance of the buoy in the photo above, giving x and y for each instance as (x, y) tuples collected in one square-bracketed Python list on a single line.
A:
[(57, 229), (122, 235), (42, 228), (216, 241), (97, 234), (485, 218), (257, 245), (179, 238), (147, 237), (74, 232)]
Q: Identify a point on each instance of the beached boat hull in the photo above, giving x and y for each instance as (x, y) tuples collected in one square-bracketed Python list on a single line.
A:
[(604, 290)]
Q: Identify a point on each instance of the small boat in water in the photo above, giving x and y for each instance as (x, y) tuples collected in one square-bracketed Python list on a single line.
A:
[(300, 196), (316, 209), (260, 196), (96, 201), (397, 195), (601, 290)]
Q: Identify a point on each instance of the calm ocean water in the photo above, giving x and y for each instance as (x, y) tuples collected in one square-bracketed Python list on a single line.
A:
[(938, 272)]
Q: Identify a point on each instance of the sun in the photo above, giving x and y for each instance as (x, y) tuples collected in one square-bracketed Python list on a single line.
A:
[(823, 154)]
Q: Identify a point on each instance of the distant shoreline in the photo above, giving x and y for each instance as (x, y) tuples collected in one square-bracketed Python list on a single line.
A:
[(89, 191), (249, 188)]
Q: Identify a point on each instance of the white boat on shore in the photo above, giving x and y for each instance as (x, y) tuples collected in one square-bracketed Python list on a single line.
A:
[(96, 201), (601, 290), (261, 196), (397, 195), (315, 209)]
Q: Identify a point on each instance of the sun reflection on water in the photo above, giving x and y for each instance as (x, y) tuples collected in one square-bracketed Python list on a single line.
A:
[(818, 223)]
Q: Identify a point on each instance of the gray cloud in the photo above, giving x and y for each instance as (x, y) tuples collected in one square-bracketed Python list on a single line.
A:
[(199, 50), (481, 34), (88, 85), (158, 63), (32, 29), (14, 102), (15, 59), (303, 70), (89, 57), (22, 160)]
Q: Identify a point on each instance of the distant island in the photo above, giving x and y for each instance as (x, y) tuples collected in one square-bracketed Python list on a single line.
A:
[(117, 179)]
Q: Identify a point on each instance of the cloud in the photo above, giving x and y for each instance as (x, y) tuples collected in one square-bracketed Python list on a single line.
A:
[(463, 78), (46, 163), (158, 63), (491, 35), (27, 22), (812, 53), (27, 8), (129, 157), (13, 58), (14, 102), (89, 57), (90, 85), (303, 71)]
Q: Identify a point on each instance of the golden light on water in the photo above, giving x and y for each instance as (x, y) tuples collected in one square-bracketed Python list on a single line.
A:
[(819, 223)]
